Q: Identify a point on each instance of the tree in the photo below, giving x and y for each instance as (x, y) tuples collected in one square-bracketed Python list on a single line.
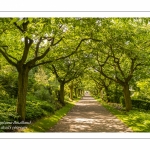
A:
[(65, 71), (28, 42), (101, 82), (120, 52)]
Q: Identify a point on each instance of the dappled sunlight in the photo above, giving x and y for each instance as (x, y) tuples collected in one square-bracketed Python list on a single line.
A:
[(89, 116)]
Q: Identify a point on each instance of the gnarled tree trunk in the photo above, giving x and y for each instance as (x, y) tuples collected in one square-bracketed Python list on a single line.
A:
[(76, 93), (101, 93), (61, 99), (22, 92), (79, 92), (127, 97), (107, 93), (71, 90)]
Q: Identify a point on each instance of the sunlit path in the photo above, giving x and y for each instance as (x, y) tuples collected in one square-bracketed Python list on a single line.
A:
[(89, 116)]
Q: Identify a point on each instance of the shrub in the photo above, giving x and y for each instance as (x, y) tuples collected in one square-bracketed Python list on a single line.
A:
[(141, 104), (122, 101), (47, 107), (42, 94), (35, 109), (58, 105), (9, 84), (33, 113)]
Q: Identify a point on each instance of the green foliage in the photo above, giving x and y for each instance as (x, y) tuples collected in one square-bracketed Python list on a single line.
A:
[(8, 82), (44, 124), (42, 93), (35, 109), (144, 88), (7, 111), (141, 104), (122, 101), (38, 108), (44, 85)]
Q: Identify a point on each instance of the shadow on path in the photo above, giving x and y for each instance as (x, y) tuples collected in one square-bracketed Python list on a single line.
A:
[(89, 116)]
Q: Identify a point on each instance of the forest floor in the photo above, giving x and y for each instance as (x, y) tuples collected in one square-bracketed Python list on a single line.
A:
[(88, 115)]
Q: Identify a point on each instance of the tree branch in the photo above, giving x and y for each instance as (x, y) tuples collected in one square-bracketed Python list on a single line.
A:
[(10, 56), (18, 27), (28, 43), (97, 58), (24, 25), (117, 61), (72, 77), (7, 58), (118, 65), (56, 74), (37, 47), (132, 69), (43, 55), (63, 57), (52, 41)]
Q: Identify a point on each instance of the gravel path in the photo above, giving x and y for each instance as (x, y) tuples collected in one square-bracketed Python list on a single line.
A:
[(89, 116)]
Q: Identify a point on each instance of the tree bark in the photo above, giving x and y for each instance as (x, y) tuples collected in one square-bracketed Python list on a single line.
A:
[(75, 91), (79, 92), (22, 92), (101, 93), (82, 92), (71, 91), (127, 97), (107, 93), (61, 99)]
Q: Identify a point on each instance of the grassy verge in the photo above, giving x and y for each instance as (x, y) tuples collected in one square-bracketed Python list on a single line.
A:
[(44, 124), (137, 120)]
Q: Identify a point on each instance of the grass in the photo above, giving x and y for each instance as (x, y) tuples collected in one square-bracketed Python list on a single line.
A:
[(44, 124), (137, 120)]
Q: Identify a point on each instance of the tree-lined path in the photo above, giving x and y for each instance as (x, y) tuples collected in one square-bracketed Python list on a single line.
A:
[(89, 116), (46, 62)]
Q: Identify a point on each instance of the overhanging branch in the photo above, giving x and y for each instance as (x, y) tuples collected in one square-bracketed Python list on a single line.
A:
[(7, 58)]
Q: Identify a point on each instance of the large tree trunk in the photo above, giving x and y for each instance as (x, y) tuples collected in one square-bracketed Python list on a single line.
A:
[(82, 92), (107, 94), (61, 99), (71, 90), (97, 91), (22, 92), (79, 92), (75, 91), (101, 93), (127, 97)]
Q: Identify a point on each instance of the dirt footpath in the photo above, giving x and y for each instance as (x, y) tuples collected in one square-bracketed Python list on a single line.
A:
[(89, 116)]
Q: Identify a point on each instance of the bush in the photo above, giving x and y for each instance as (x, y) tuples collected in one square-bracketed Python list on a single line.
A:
[(122, 101), (7, 114), (42, 94), (35, 109), (141, 104), (47, 107), (33, 113), (58, 105), (3, 94), (9, 85)]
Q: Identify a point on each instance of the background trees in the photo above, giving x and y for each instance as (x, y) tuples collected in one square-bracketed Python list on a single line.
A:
[(67, 70), (119, 53)]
